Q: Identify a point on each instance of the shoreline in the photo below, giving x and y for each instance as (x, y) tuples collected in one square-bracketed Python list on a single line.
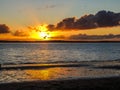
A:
[(74, 76), (63, 62), (108, 83), (106, 64)]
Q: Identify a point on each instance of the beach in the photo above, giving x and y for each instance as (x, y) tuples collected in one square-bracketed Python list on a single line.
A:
[(74, 76)]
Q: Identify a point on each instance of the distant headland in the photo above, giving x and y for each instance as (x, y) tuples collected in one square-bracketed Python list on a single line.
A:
[(58, 41)]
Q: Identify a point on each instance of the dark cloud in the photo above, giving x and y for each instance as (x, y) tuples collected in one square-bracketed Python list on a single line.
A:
[(67, 23), (100, 19), (104, 18), (48, 7), (86, 22), (51, 27), (93, 37), (58, 37), (20, 33), (4, 29)]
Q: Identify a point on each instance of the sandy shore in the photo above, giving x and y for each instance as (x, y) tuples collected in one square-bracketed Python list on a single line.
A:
[(80, 76), (110, 83)]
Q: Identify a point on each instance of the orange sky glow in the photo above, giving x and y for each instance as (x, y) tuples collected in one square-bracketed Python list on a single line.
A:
[(29, 20), (42, 33)]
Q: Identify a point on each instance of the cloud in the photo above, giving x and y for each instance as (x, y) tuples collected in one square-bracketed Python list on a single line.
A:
[(20, 33), (101, 19), (58, 37), (105, 19), (93, 37), (4, 29), (67, 23), (50, 6), (51, 27)]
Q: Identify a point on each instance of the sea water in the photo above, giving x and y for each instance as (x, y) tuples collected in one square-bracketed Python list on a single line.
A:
[(21, 53), (69, 57)]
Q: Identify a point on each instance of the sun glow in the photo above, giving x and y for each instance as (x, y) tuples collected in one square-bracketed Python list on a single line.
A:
[(44, 35), (41, 32)]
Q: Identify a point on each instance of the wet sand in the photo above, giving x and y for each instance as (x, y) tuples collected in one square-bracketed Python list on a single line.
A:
[(110, 83), (83, 76)]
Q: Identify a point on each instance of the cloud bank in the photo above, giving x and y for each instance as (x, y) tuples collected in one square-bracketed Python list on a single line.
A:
[(101, 19), (21, 33), (4, 29), (93, 37)]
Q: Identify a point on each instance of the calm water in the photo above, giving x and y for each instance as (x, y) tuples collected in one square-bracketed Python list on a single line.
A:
[(18, 53)]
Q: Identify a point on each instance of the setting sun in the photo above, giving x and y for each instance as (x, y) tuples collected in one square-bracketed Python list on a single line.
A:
[(43, 32), (38, 22), (40, 32), (44, 35)]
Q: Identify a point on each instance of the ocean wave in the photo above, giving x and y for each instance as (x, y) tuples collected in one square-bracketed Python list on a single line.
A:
[(41, 66), (54, 64)]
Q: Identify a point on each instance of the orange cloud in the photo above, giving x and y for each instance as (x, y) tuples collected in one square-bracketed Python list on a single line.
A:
[(21, 33), (59, 37)]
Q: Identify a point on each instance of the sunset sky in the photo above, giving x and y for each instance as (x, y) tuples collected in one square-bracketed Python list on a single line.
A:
[(59, 20)]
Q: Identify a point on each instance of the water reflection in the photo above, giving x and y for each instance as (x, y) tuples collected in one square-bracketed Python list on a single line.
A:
[(55, 73), (20, 53), (39, 74)]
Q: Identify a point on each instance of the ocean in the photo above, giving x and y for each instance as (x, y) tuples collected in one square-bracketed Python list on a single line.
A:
[(22, 62), (32, 53)]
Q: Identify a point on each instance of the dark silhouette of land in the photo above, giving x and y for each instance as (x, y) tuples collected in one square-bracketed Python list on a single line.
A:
[(57, 41)]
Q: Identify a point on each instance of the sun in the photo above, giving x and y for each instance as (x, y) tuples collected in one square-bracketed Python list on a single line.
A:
[(44, 35), (41, 32)]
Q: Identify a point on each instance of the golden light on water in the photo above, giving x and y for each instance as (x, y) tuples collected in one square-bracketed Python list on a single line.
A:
[(53, 73), (39, 74)]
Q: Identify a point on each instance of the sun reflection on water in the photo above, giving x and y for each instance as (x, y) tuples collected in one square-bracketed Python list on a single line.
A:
[(39, 74), (52, 73), (45, 74)]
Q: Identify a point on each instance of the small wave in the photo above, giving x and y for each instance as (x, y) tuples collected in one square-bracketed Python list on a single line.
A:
[(56, 62), (41, 66)]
